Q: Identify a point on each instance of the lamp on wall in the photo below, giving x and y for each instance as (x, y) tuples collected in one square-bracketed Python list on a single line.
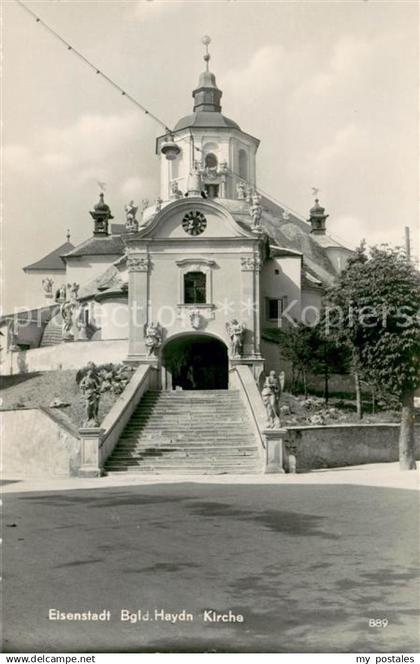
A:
[(170, 149)]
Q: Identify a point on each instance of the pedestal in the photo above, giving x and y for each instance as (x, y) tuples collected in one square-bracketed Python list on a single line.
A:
[(255, 362), (91, 439), (274, 446)]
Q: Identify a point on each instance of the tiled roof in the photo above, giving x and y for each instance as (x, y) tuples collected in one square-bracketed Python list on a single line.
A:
[(53, 260), (40, 313), (295, 233), (109, 282), (110, 245), (328, 242)]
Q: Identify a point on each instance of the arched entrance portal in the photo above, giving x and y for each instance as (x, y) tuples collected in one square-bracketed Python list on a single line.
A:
[(195, 362)]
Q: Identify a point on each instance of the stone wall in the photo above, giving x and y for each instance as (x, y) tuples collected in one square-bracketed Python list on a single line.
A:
[(71, 355), (346, 445), (34, 444)]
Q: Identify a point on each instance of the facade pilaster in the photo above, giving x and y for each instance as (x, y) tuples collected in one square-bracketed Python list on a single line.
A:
[(251, 265), (138, 299)]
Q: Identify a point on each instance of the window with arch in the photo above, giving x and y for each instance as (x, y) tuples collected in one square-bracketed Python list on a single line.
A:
[(195, 288), (243, 164), (211, 160)]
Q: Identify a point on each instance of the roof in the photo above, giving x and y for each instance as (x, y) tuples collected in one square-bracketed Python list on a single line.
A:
[(109, 245), (53, 260), (110, 282), (118, 229), (35, 315), (294, 232), (328, 242), (309, 281), (206, 119), (283, 251)]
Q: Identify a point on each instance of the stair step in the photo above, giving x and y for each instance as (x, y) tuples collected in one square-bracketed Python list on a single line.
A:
[(196, 433), (187, 454)]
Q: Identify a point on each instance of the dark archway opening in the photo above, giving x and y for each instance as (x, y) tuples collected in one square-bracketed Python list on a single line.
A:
[(196, 362)]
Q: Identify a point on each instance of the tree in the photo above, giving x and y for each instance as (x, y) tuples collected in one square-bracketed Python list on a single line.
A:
[(309, 350), (295, 347), (328, 355), (374, 307)]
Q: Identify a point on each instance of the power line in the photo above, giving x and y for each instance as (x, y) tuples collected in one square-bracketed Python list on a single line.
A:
[(93, 67), (125, 94)]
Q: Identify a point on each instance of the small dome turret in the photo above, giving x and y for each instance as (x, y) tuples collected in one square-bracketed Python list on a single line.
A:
[(101, 206), (317, 218), (101, 215)]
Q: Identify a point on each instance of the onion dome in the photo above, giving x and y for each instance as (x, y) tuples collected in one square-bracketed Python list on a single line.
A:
[(317, 218), (101, 215)]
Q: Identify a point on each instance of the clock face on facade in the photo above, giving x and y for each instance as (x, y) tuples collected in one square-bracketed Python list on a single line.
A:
[(194, 222)]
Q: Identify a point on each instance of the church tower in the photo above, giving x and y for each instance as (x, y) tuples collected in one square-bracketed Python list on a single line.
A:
[(213, 150)]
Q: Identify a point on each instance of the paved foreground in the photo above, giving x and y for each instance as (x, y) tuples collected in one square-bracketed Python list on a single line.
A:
[(307, 565)]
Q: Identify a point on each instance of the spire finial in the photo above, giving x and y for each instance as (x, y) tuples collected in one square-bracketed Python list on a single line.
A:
[(206, 41), (68, 236)]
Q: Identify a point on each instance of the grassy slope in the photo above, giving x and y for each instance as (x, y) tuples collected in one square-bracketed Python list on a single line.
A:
[(39, 389)]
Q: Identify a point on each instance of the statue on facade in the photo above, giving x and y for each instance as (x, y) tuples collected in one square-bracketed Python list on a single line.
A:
[(153, 338), (271, 398), (73, 291), (241, 191), (248, 194), (256, 211), (224, 168), (159, 202), (82, 322), (176, 193), (90, 386), (66, 311), (236, 332), (131, 222), (47, 286), (60, 295)]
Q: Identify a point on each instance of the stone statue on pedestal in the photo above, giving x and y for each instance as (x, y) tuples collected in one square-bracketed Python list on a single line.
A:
[(90, 386), (236, 333), (131, 222), (73, 291), (256, 211), (241, 191), (61, 294), (82, 322), (66, 310), (271, 397), (153, 338), (176, 193), (47, 286)]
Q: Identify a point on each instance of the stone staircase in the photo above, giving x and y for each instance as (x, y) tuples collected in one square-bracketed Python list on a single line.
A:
[(203, 432), (53, 334)]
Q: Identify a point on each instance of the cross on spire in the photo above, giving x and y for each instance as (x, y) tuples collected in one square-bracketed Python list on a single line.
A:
[(206, 41)]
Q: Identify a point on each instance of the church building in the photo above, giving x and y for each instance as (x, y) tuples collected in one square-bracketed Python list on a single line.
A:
[(191, 282)]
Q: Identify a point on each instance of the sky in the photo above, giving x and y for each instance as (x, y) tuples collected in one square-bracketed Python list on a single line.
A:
[(330, 88)]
